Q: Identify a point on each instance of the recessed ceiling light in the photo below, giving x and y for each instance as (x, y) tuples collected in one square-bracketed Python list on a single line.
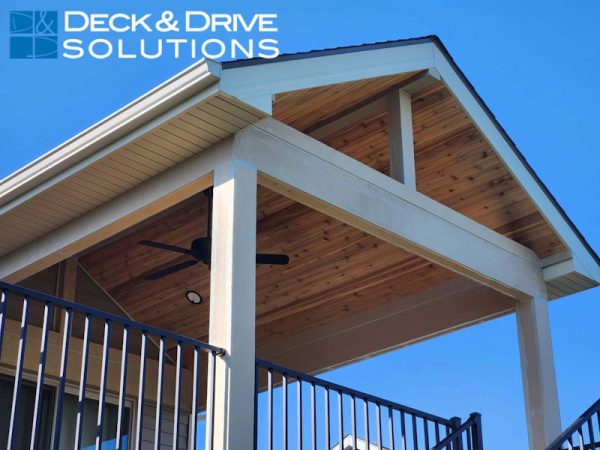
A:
[(193, 297)]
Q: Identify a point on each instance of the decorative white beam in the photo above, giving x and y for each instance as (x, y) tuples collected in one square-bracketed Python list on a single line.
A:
[(400, 138), (233, 303), (326, 180), (537, 367)]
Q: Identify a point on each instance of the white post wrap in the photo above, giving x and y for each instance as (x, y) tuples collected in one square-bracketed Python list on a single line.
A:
[(400, 138), (537, 367), (232, 303)]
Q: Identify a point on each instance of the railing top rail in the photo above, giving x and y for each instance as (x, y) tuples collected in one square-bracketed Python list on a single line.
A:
[(351, 392), (572, 429), (10, 288), (471, 421)]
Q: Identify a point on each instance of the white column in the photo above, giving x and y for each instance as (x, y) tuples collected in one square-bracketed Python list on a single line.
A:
[(400, 138), (537, 367), (232, 303)]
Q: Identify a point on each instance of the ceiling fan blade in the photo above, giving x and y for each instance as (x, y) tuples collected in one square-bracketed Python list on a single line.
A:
[(169, 247), (274, 259), (172, 269)]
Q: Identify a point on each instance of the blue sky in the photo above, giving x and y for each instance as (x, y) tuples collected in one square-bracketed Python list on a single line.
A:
[(535, 63)]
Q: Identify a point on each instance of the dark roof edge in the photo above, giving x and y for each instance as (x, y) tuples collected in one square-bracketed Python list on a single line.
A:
[(326, 52), (438, 43)]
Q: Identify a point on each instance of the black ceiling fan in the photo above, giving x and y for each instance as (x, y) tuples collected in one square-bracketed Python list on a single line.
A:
[(200, 250)]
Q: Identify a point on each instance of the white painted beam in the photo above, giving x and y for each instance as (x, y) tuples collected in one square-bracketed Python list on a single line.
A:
[(400, 138), (324, 179), (233, 303), (537, 367), (142, 202)]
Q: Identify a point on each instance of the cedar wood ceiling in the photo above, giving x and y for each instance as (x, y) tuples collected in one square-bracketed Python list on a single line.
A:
[(335, 270)]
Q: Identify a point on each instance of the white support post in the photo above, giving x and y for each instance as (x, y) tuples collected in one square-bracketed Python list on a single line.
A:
[(537, 367), (232, 303), (400, 138)]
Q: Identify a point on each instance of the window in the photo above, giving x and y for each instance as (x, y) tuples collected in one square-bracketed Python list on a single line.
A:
[(90, 417), (24, 419)]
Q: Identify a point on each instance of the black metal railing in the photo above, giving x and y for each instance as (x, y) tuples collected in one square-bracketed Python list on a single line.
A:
[(583, 433), (340, 415), (464, 437), (169, 359)]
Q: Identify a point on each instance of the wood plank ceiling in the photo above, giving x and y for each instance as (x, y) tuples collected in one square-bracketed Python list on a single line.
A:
[(335, 270)]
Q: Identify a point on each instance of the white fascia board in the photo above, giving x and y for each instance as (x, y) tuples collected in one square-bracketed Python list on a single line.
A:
[(112, 132), (518, 169), (257, 83)]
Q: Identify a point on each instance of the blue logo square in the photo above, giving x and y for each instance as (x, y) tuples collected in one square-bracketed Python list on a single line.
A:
[(45, 47), (46, 22), (21, 22), (21, 47), (33, 34)]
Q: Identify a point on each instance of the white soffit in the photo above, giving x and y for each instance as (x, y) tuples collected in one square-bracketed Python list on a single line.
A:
[(179, 118)]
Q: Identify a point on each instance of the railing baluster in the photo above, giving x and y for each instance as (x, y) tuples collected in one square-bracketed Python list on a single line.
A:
[(367, 424), (103, 375), (284, 419), (341, 418), (299, 413), (194, 405), (159, 394), (391, 428), (469, 438), (39, 387), (3, 303), (210, 403), (591, 434), (415, 435), (327, 420), (82, 382), (12, 427), (426, 433), (437, 432), (141, 389), (313, 415), (60, 393), (353, 418), (379, 438), (122, 388), (270, 409), (178, 364), (403, 430), (580, 438)]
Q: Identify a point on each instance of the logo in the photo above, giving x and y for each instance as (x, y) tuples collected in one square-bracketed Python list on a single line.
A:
[(33, 34)]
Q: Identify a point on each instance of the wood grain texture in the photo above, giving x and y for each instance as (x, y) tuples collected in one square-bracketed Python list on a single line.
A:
[(335, 270)]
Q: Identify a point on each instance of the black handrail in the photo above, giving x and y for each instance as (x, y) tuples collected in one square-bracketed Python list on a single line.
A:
[(77, 307), (351, 392), (338, 419), (25, 298), (471, 430), (583, 428)]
